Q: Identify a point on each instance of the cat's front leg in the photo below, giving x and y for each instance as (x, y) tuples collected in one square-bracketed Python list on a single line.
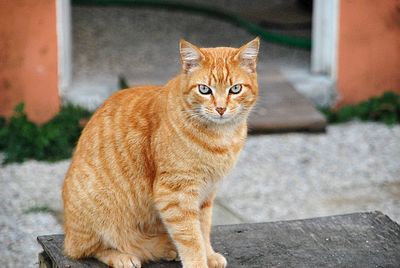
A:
[(214, 259), (177, 203)]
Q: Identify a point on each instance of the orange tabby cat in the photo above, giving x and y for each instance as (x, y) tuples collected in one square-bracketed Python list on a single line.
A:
[(143, 177)]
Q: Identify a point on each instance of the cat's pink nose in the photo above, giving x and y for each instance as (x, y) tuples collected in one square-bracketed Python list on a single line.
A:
[(220, 110)]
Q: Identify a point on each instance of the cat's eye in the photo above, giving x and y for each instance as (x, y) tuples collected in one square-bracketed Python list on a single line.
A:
[(235, 89), (203, 89)]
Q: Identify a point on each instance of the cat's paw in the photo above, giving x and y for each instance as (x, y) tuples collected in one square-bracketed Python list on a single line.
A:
[(171, 255), (216, 260), (126, 261)]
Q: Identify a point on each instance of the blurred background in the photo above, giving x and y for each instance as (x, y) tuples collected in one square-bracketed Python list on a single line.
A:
[(324, 136)]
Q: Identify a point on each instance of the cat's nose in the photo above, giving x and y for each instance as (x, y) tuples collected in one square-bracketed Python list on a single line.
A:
[(220, 110)]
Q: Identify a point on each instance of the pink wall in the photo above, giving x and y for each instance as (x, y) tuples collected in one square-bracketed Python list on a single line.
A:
[(28, 58), (369, 49)]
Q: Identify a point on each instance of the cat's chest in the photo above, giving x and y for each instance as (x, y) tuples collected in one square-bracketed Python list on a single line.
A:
[(218, 165), (222, 150)]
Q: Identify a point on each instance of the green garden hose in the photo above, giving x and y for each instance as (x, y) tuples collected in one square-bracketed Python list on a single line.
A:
[(296, 42)]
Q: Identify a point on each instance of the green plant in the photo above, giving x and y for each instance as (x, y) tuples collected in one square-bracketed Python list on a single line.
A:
[(38, 209), (385, 108), (21, 139)]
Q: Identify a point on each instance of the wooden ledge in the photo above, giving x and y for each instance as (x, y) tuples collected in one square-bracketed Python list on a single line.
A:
[(369, 239)]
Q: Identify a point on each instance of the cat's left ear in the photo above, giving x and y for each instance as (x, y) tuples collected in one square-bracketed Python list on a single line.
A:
[(247, 55), (191, 56)]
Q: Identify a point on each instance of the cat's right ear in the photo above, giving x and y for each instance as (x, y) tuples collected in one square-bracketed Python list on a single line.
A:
[(191, 56)]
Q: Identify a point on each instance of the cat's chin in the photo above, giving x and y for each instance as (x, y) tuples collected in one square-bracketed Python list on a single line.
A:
[(223, 120)]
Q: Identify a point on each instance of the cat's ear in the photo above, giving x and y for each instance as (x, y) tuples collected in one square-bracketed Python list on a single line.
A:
[(247, 55), (191, 56)]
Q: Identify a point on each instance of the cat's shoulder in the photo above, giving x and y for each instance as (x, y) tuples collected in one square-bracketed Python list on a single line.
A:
[(133, 93)]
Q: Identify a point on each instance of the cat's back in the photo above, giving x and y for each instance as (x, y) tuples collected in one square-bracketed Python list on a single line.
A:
[(132, 101), (110, 164), (136, 108), (118, 130)]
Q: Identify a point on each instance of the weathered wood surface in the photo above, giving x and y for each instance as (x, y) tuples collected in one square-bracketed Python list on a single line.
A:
[(280, 108), (354, 240)]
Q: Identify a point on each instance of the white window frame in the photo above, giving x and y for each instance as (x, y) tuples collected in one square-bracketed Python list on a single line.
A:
[(325, 29), (63, 8)]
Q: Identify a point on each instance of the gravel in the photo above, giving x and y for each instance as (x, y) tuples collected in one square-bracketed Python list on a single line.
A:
[(353, 167), (24, 188)]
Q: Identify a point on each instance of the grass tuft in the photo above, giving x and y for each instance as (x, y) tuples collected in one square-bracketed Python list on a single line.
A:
[(21, 139), (38, 209), (385, 109)]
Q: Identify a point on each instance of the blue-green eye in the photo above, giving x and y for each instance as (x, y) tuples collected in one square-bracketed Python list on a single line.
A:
[(235, 89), (203, 89)]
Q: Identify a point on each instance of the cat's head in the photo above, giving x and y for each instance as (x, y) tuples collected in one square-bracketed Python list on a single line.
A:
[(220, 84)]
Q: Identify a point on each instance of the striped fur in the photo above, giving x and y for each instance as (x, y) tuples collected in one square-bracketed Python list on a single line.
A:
[(143, 177)]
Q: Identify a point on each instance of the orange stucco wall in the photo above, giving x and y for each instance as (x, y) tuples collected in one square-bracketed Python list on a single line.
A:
[(369, 49), (28, 58)]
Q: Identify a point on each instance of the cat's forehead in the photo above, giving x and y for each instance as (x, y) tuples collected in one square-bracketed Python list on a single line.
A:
[(217, 67), (215, 53)]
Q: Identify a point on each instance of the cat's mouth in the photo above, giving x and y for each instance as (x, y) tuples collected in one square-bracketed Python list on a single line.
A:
[(226, 118), (220, 119)]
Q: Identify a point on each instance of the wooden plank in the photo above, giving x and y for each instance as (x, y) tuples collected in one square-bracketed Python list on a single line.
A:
[(280, 108), (355, 240), (53, 246)]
